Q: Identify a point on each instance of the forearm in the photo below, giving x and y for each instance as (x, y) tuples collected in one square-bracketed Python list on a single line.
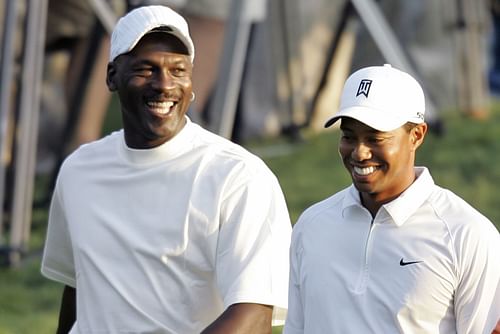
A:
[(243, 318), (496, 330)]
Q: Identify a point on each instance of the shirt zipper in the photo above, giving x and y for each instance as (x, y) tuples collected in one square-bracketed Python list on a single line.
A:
[(365, 270)]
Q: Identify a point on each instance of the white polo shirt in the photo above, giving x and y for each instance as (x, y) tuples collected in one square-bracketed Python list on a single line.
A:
[(164, 240), (427, 263)]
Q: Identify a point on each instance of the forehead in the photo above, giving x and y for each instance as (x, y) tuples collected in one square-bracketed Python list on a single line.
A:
[(160, 41), (352, 125), (348, 123)]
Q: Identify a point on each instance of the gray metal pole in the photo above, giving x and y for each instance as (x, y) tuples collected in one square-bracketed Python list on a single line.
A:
[(473, 90), (293, 60), (105, 14), (387, 43), (7, 82), (280, 62), (27, 129), (223, 107)]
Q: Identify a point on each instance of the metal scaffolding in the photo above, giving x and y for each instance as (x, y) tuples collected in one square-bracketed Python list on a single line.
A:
[(20, 107)]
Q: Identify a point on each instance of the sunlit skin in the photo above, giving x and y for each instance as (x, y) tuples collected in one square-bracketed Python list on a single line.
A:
[(154, 86), (496, 330), (380, 163)]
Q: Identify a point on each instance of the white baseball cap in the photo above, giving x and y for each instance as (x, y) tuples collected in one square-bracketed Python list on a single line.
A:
[(381, 97), (134, 25)]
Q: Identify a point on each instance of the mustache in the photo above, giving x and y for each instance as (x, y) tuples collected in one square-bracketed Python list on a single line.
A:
[(165, 96)]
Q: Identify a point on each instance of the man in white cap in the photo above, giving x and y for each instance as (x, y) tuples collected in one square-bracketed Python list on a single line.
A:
[(164, 227), (394, 252)]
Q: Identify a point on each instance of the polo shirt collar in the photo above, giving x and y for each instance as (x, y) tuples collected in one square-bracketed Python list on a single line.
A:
[(401, 208), (412, 198), (352, 198)]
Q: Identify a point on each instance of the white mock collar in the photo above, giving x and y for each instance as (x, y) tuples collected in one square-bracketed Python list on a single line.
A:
[(166, 151)]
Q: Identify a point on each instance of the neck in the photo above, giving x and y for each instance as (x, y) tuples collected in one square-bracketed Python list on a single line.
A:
[(374, 201)]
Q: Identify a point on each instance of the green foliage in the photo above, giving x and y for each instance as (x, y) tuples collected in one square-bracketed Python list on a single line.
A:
[(29, 303), (464, 159)]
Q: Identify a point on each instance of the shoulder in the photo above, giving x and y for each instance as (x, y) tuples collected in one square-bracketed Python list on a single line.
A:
[(317, 220), (90, 153), (329, 208), (468, 228), (455, 211), (220, 152), (218, 144)]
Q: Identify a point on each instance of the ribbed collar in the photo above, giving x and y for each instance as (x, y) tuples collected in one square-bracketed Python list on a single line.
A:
[(166, 151)]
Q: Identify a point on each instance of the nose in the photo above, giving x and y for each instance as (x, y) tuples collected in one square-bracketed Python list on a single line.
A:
[(163, 81), (361, 152)]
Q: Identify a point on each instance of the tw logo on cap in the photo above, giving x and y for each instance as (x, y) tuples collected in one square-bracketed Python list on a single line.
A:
[(364, 87)]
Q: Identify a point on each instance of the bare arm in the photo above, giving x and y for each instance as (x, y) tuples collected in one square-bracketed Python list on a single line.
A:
[(243, 318), (496, 330), (67, 314)]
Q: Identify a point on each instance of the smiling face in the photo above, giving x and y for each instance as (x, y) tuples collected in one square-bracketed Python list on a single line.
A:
[(380, 163), (153, 82)]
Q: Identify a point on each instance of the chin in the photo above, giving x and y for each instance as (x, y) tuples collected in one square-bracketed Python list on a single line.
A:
[(363, 187)]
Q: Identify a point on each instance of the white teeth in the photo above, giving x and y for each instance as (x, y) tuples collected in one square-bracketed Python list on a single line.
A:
[(364, 171), (161, 107)]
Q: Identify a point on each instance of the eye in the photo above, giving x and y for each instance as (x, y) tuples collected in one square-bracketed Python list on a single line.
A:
[(179, 71), (376, 140), (345, 136), (143, 71)]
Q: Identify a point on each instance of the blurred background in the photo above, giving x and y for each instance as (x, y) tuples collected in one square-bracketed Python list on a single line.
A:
[(267, 75)]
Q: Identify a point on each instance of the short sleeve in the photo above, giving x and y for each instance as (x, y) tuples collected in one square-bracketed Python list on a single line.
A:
[(254, 239), (57, 261), (477, 299), (295, 317)]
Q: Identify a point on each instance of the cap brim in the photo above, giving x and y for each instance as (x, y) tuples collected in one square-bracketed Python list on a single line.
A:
[(167, 29), (170, 30), (373, 118)]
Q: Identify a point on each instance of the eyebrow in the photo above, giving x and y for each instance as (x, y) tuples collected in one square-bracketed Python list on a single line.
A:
[(142, 61)]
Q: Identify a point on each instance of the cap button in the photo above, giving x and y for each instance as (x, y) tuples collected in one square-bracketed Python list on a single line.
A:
[(387, 65)]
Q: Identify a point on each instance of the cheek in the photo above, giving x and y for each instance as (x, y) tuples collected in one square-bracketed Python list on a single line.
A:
[(391, 152), (398, 156), (342, 154), (135, 83), (186, 85), (345, 154), (343, 150)]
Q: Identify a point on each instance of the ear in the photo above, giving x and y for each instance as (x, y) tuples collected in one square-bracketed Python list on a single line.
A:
[(111, 76), (417, 135)]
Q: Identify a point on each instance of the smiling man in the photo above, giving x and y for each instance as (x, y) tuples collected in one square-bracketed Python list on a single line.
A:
[(164, 227), (394, 252)]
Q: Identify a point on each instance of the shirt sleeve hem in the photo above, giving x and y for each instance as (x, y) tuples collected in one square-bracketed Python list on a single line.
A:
[(289, 330), (279, 306), (58, 277)]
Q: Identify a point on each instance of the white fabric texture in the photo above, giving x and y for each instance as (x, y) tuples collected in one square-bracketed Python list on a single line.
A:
[(135, 24), (375, 95), (163, 240), (354, 274)]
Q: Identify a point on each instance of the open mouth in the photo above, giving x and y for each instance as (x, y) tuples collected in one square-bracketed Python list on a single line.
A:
[(162, 108), (364, 171)]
